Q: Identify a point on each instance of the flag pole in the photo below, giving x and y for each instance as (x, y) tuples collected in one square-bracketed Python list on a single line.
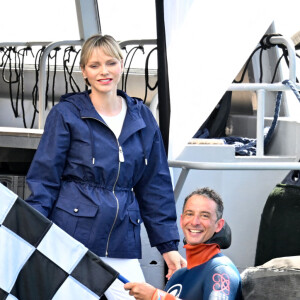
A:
[(123, 279)]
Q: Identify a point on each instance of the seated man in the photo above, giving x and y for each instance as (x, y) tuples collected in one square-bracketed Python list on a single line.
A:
[(209, 274)]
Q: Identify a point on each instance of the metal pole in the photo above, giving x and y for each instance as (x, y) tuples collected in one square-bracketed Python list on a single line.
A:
[(291, 51), (234, 165), (180, 182), (260, 122)]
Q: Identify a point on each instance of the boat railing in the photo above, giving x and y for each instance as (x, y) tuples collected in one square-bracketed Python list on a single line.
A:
[(43, 75), (260, 89), (49, 46), (186, 166), (48, 49), (138, 42)]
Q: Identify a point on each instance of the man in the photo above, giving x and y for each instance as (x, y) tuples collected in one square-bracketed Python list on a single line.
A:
[(209, 274)]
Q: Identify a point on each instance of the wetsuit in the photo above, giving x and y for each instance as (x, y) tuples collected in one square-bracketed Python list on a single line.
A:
[(209, 275)]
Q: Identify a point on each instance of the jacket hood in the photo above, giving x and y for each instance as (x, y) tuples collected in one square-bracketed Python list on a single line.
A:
[(83, 102)]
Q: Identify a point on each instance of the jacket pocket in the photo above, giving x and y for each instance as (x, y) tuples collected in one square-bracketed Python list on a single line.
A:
[(77, 219), (134, 232)]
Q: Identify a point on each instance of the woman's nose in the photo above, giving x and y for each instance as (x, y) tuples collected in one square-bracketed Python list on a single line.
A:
[(104, 70)]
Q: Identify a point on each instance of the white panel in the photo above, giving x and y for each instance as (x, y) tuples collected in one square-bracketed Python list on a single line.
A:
[(14, 252), (35, 20), (7, 199), (72, 289), (208, 42), (11, 297), (65, 252)]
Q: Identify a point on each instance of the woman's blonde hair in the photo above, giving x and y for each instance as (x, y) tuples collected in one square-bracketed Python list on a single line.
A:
[(107, 42)]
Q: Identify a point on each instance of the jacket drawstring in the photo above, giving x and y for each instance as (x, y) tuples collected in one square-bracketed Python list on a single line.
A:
[(92, 141), (144, 150)]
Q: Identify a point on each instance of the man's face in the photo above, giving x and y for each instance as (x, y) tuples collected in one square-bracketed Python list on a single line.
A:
[(199, 220)]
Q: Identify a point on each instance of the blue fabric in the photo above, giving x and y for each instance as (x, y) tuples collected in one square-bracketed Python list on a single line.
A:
[(168, 246), (218, 278), (77, 180)]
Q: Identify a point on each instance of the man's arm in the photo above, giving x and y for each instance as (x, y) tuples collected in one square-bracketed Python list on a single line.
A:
[(145, 291)]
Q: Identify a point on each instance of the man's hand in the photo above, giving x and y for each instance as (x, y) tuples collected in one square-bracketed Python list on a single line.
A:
[(174, 262), (140, 290)]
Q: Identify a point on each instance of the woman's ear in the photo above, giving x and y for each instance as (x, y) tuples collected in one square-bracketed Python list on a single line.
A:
[(84, 76), (83, 71), (122, 65)]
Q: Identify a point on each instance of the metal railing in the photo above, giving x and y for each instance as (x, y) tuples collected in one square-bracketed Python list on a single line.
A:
[(260, 89), (43, 76), (138, 42), (49, 46)]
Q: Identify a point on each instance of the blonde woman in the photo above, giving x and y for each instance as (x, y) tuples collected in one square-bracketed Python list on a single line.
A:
[(100, 169)]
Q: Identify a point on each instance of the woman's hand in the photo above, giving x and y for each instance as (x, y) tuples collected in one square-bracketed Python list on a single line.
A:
[(174, 262)]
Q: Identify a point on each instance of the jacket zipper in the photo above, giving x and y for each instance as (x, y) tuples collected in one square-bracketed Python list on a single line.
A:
[(121, 159)]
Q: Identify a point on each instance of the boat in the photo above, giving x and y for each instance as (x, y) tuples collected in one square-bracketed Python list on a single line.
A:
[(194, 64)]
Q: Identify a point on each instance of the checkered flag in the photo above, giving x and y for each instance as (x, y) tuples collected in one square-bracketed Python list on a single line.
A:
[(38, 260)]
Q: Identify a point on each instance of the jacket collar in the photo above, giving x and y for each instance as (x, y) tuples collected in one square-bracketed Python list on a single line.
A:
[(133, 121)]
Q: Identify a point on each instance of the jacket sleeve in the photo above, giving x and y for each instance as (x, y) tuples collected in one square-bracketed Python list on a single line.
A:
[(44, 175), (154, 192), (222, 282)]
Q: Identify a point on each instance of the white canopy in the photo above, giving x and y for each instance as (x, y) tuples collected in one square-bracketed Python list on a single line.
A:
[(208, 42)]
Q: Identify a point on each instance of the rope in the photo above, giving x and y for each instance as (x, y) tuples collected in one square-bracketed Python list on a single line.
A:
[(124, 80), (10, 81), (245, 146), (54, 75), (13, 61), (265, 44), (246, 66), (147, 85), (67, 53), (291, 85), (35, 90), (22, 52), (275, 119)]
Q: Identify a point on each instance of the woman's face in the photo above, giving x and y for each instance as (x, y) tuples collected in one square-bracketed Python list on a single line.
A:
[(103, 72)]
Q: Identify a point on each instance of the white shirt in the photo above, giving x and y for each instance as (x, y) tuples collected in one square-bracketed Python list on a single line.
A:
[(115, 123)]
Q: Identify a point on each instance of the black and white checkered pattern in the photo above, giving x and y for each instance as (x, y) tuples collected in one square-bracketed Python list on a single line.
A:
[(38, 260)]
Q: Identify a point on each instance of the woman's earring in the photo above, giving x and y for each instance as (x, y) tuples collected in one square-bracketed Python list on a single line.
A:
[(86, 81)]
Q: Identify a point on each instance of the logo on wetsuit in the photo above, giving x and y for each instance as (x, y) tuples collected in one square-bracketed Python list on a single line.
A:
[(175, 290), (222, 283)]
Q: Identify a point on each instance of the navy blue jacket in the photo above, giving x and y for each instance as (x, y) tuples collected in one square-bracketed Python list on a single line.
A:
[(99, 188)]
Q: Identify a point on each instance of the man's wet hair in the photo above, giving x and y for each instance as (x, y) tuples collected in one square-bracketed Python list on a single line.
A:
[(211, 194)]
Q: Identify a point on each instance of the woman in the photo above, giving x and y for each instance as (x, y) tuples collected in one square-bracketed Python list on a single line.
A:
[(100, 169)]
